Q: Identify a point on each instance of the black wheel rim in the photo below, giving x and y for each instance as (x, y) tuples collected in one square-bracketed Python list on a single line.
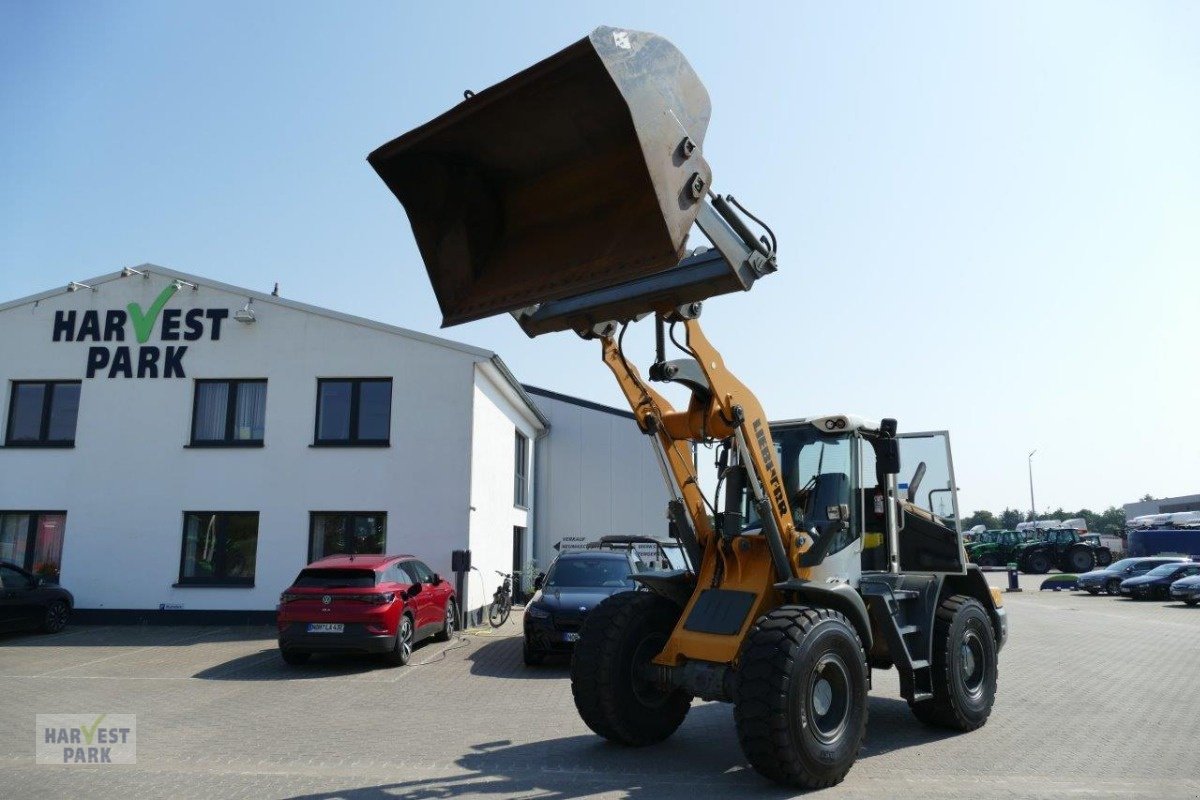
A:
[(56, 616), (646, 691), (406, 638), (972, 664), (829, 698)]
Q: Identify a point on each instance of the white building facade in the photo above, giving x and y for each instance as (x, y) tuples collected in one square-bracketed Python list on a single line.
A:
[(175, 444)]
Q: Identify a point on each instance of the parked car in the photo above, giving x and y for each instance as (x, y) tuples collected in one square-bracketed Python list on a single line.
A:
[(28, 601), (1109, 579), (1187, 590), (1157, 582), (364, 604), (573, 585)]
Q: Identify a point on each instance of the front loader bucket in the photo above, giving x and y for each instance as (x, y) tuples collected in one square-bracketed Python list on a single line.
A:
[(582, 172)]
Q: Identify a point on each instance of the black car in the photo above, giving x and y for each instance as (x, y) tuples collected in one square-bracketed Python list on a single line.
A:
[(1157, 582), (30, 602), (575, 583), (1109, 579)]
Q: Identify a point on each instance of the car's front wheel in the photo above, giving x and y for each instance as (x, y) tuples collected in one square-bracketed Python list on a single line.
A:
[(56, 617)]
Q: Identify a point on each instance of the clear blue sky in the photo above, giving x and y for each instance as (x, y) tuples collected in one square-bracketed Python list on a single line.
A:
[(989, 213)]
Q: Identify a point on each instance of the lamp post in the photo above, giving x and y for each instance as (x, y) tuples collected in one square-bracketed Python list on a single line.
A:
[(1032, 507)]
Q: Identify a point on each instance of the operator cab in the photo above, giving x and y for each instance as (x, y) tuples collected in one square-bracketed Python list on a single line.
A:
[(828, 471)]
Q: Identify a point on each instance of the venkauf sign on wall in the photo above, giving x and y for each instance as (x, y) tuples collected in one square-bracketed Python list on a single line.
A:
[(133, 322)]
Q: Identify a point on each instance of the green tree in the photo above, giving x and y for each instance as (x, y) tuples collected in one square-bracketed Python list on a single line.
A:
[(1010, 517), (985, 518)]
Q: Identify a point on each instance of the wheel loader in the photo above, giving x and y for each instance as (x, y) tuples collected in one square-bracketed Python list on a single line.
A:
[(564, 196)]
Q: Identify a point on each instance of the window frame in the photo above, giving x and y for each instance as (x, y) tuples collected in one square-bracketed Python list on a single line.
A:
[(346, 517), (223, 582), (353, 439), (47, 405), (35, 517), (520, 470), (231, 401)]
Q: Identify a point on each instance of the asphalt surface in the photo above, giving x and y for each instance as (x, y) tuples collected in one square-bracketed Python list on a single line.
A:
[(1097, 699)]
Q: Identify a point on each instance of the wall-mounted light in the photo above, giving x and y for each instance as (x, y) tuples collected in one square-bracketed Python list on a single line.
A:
[(180, 283), (245, 314), (128, 271), (75, 286)]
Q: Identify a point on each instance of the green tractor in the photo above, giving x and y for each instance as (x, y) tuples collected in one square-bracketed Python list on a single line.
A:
[(1062, 548), (994, 548)]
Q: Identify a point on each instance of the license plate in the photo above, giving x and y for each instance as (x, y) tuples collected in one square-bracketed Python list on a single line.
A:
[(326, 627), (571, 637)]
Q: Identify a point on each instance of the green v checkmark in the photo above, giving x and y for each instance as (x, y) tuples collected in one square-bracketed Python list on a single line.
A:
[(88, 733), (143, 324)]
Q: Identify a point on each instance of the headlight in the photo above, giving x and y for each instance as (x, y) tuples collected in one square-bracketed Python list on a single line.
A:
[(537, 613)]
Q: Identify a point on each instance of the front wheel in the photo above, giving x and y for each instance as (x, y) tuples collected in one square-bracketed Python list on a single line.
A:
[(964, 667), (498, 611), (618, 639), (56, 617), (1079, 560), (988, 561), (801, 708), (1037, 564)]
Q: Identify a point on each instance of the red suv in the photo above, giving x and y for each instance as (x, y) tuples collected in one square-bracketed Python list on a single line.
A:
[(364, 604)]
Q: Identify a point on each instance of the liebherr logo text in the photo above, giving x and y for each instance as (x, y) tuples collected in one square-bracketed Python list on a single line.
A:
[(775, 489)]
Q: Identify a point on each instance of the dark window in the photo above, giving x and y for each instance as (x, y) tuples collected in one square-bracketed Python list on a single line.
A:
[(43, 414), (14, 579), (421, 570), (354, 411), (335, 579), (229, 413), (219, 548), (521, 470), (33, 539), (342, 533)]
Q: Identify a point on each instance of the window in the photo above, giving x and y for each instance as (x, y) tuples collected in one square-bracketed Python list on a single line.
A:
[(345, 533), (229, 413), (521, 484), (354, 411), (33, 540), (12, 579), (219, 548), (418, 571), (43, 414)]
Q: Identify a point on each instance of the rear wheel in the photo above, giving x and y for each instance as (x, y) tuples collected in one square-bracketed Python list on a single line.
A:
[(619, 637), (56, 617), (1036, 564), (294, 657), (1103, 556), (964, 667), (1113, 587), (1079, 560), (401, 653), (449, 623), (801, 708)]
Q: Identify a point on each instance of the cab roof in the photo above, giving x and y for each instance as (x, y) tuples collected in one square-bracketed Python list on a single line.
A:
[(832, 423)]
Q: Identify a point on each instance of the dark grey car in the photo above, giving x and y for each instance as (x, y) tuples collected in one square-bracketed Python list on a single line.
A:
[(1109, 579), (30, 602)]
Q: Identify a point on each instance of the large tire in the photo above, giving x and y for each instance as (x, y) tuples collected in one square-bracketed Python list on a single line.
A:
[(964, 668), (988, 560), (1079, 559), (620, 635), (801, 709), (1112, 587), (1103, 556), (1191, 603), (449, 622), (401, 652), (1093, 592), (1036, 564)]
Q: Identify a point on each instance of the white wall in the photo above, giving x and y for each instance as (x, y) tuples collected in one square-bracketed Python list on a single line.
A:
[(596, 475), (495, 420), (129, 478)]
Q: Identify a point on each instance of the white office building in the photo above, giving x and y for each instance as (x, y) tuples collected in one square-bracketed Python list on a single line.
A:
[(177, 447)]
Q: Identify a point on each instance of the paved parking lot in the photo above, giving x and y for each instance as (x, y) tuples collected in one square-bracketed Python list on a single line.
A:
[(1097, 699)]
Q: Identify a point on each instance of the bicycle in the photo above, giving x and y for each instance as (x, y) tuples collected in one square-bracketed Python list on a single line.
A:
[(502, 602)]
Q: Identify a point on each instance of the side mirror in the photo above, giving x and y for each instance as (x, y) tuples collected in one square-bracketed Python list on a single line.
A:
[(39, 582), (538, 581), (437, 579), (413, 590)]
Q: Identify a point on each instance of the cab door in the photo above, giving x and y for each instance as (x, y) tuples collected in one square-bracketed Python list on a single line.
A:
[(930, 539)]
